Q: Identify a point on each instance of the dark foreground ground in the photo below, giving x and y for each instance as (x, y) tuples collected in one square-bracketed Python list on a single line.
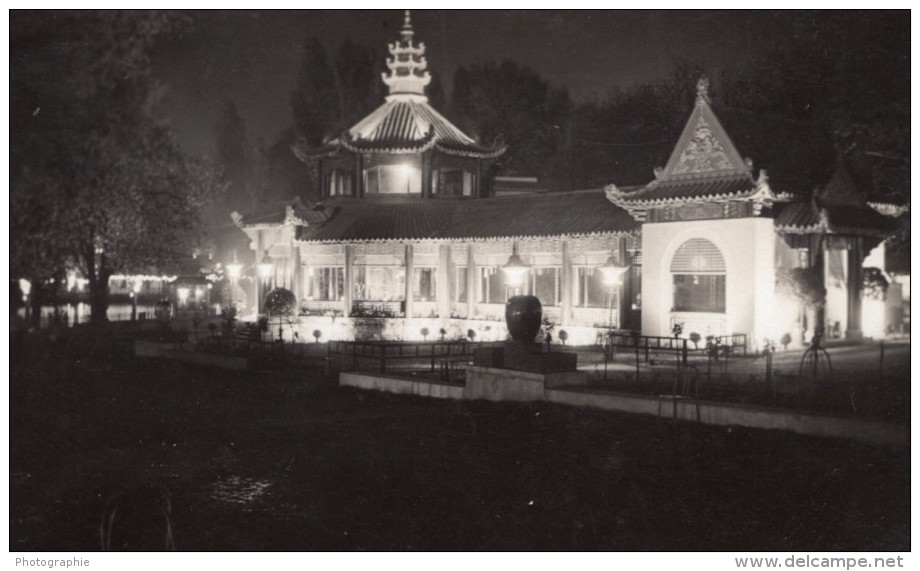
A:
[(259, 463)]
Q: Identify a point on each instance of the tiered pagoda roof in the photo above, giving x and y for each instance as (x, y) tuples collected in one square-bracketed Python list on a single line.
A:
[(405, 123), (838, 207), (704, 167)]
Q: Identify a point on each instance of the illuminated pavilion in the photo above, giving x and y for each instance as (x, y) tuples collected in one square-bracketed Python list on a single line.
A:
[(410, 235)]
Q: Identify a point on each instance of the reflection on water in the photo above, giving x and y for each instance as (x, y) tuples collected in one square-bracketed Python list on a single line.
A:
[(70, 313), (77, 312), (243, 492)]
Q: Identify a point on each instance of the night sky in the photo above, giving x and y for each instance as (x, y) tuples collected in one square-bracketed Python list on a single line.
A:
[(252, 57)]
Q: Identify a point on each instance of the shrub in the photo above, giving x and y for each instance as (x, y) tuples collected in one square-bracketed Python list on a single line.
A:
[(281, 303), (785, 340)]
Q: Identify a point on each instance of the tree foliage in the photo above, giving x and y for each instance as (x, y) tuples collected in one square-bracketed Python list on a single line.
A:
[(329, 97), (98, 182), (510, 101)]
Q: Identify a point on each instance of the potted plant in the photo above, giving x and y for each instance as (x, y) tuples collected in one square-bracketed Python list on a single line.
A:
[(317, 334)]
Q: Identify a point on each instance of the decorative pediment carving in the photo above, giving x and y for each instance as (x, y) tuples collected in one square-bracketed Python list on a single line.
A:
[(703, 153)]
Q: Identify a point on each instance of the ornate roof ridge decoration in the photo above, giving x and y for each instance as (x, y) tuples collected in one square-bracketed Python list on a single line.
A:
[(304, 153), (392, 146), (785, 196), (704, 146), (466, 239), (473, 151), (291, 212), (808, 217), (889, 208)]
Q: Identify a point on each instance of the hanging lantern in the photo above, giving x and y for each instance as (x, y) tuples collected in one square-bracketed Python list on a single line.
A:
[(266, 266), (612, 271), (234, 268), (515, 269)]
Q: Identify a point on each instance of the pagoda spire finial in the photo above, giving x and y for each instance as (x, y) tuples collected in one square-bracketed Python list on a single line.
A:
[(407, 77), (702, 90), (406, 33)]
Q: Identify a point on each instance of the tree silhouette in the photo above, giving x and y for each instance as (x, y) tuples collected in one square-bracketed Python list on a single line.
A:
[(99, 183)]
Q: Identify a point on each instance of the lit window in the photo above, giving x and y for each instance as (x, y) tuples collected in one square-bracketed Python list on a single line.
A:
[(326, 284), (698, 277), (393, 179), (545, 285), (339, 182), (461, 285), (424, 284), (590, 289), (492, 285), (380, 283)]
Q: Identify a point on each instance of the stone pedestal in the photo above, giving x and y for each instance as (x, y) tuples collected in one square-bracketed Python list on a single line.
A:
[(526, 357), (508, 385), (521, 372)]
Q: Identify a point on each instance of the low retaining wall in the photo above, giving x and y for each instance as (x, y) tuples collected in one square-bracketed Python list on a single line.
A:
[(723, 414), (390, 384), (504, 385)]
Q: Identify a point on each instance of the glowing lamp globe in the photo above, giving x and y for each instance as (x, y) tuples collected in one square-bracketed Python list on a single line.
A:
[(612, 271), (515, 270), (266, 266), (234, 271)]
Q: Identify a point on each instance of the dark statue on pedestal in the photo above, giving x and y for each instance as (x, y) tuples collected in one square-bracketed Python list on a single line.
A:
[(523, 315)]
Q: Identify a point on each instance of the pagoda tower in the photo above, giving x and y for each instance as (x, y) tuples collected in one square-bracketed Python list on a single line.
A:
[(404, 147)]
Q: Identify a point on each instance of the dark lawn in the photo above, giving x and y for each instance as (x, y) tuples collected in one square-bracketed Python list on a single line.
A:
[(255, 463)]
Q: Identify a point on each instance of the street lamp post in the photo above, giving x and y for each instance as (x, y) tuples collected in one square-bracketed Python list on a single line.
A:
[(265, 268), (613, 273), (234, 269)]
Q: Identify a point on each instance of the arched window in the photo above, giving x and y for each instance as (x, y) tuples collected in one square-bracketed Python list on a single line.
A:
[(698, 275)]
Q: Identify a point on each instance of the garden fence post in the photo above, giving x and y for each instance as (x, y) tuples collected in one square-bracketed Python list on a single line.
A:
[(637, 362), (881, 360), (769, 361)]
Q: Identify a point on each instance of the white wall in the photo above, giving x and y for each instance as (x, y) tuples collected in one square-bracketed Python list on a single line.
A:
[(748, 247)]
